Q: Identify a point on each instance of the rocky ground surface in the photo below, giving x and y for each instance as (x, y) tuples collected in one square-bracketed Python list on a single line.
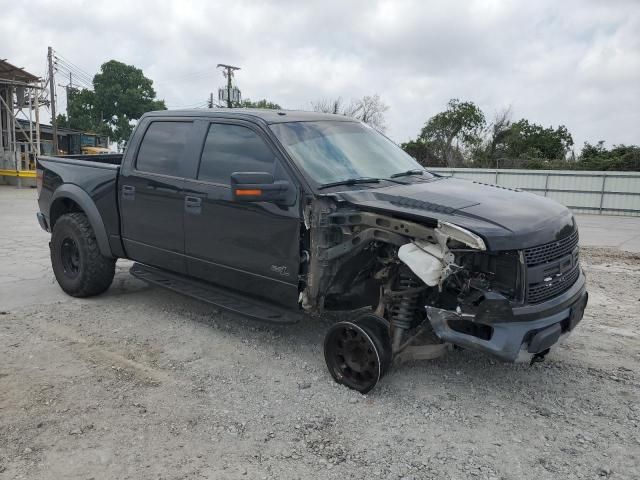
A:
[(140, 383)]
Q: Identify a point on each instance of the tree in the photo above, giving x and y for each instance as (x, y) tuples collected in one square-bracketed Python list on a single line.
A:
[(82, 113), (461, 122), (369, 109), (264, 103), (328, 106), (498, 131), (121, 95), (598, 157), (422, 153), (528, 140)]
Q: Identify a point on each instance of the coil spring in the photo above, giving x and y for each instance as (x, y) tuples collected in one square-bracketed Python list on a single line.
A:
[(406, 302)]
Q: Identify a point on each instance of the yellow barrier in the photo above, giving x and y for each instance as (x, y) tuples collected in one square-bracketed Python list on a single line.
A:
[(18, 173)]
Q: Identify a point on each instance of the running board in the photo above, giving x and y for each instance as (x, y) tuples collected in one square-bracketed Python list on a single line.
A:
[(232, 302)]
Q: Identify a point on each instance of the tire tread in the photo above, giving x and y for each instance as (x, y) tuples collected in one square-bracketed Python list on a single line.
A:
[(98, 270)]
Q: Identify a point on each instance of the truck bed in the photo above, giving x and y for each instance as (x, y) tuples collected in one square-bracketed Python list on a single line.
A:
[(110, 158), (91, 182)]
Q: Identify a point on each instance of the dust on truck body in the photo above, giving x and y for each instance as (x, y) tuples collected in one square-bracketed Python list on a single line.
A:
[(275, 213)]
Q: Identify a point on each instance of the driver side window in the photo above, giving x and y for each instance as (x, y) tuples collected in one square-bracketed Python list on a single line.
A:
[(233, 148)]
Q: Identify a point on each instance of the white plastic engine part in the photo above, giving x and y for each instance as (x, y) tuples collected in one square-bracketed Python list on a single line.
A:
[(424, 259)]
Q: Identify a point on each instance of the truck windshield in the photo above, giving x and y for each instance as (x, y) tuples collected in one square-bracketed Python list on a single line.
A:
[(336, 151)]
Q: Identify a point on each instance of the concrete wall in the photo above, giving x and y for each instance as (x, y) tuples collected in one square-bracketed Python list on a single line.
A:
[(609, 193)]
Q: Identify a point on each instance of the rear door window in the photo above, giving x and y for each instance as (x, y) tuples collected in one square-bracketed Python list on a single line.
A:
[(233, 148), (163, 147)]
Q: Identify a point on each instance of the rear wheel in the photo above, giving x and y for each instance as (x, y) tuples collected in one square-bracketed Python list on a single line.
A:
[(80, 269), (358, 353)]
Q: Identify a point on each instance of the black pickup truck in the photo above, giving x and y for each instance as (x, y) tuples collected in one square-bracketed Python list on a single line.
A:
[(271, 214)]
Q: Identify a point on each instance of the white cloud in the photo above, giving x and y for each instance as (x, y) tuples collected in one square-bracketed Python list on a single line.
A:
[(573, 62)]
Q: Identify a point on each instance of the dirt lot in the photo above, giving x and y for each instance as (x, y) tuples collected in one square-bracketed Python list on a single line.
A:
[(141, 383)]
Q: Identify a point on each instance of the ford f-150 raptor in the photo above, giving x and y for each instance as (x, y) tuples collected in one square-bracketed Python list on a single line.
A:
[(271, 214)]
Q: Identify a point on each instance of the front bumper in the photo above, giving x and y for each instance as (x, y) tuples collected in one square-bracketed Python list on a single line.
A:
[(529, 330)]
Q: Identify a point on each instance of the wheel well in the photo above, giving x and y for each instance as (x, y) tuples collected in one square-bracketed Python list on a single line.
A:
[(60, 207)]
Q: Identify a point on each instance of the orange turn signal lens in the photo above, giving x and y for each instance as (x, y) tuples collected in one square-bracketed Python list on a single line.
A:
[(248, 192)]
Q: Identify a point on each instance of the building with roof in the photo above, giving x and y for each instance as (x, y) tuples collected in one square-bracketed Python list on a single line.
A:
[(19, 121)]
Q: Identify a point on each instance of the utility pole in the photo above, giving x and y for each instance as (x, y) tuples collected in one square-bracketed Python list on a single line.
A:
[(68, 96), (52, 93), (229, 69), (68, 88)]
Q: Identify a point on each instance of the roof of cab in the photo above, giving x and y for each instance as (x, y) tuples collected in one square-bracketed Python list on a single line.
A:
[(266, 115)]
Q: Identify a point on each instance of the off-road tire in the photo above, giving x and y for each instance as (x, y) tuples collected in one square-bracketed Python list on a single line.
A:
[(80, 269)]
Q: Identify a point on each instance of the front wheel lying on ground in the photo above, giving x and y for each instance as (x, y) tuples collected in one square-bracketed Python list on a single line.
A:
[(358, 353), (80, 269)]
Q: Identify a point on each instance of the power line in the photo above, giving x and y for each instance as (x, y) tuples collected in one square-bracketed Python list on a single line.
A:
[(69, 62), (190, 105), (185, 79), (197, 74), (79, 81), (79, 76), (75, 81)]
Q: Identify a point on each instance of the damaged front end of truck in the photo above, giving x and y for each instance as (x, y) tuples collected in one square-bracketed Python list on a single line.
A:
[(428, 283)]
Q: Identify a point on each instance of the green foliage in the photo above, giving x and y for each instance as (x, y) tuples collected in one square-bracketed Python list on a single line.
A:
[(121, 94), (422, 153), (81, 113), (619, 158), (462, 123), (458, 137), (528, 140), (264, 103)]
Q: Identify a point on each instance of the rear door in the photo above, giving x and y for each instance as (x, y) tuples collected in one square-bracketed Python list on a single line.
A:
[(152, 198), (250, 247)]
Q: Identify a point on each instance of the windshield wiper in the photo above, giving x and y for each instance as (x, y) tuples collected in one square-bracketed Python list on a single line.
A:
[(350, 181), (415, 171)]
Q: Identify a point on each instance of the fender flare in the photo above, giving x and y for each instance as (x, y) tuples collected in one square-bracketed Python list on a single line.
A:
[(88, 206)]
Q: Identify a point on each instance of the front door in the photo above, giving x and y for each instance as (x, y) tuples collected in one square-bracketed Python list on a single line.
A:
[(152, 198), (250, 247)]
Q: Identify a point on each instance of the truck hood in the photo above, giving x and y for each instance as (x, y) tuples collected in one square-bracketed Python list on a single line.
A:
[(506, 219)]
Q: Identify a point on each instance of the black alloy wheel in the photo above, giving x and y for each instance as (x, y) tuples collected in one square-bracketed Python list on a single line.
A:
[(70, 257), (356, 354)]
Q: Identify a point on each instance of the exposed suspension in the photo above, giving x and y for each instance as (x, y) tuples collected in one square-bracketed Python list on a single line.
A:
[(404, 305)]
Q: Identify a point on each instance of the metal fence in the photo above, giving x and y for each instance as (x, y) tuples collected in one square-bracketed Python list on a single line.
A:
[(607, 193)]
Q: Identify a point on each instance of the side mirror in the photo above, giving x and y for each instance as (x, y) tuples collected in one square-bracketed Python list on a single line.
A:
[(260, 187)]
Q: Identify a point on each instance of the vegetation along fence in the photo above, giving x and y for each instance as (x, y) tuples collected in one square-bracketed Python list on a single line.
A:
[(607, 193)]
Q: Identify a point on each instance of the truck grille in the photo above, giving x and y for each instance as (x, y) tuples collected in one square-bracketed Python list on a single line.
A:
[(550, 251), (552, 268), (543, 291)]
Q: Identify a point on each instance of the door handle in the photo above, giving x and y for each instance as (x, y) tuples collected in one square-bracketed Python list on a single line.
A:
[(128, 192), (193, 204)]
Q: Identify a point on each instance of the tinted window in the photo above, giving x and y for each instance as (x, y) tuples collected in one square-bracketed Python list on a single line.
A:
[(162, 147), (232, 148)]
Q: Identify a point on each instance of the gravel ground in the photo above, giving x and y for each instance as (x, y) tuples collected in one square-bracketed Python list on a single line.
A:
[(141, 383)]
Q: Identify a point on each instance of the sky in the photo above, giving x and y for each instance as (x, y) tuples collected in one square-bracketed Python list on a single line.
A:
[(570, 62)]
